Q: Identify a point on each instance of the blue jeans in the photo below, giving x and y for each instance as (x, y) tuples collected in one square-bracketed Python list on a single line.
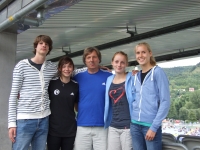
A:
[(138, 133), (31, 131)]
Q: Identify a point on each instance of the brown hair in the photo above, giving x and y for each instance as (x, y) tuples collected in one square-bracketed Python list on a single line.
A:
[(122, 53), (152, 59), (89, 50), (45, 39), (64, 60)]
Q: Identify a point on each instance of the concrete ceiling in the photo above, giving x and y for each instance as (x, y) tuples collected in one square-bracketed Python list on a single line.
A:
[(171, 27)]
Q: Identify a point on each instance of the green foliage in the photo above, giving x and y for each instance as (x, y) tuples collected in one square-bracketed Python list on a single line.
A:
[(195, 99), (189, 105), (183, 113), (185, 105), (187, 121), (172, 111), (192, 116)]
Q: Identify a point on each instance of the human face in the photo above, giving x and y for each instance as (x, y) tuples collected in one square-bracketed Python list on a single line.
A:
[(143, 55), (119, 63), (42, 48), (67, 70), (92, 61)]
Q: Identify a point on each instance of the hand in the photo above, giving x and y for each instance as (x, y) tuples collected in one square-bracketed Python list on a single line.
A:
[(105, 68), (134, 72), (12, 134), (150, 135)]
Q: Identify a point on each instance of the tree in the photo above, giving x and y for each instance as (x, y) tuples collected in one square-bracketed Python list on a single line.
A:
[(184, 98), (172, 111), (178, 105), (192, 116), (195, 99), (189, 105), (197, 113), (183, 113)]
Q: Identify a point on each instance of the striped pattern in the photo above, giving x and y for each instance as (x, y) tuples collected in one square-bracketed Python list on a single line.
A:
[(32, 85), (77, 71)]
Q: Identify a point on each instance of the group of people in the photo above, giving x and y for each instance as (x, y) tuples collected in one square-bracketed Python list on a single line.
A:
[(121, 111)]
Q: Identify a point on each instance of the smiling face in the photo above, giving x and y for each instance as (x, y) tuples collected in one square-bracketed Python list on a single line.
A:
[(67, 70), (143, 55), (65, 67), (119, 63)]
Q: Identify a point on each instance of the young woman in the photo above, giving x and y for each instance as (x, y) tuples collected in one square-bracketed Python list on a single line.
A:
[(118, 99), (63, 95), (151, 103)]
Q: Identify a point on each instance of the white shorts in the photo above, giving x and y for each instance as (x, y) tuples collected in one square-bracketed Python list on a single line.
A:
[(91, 138), (119, 139)]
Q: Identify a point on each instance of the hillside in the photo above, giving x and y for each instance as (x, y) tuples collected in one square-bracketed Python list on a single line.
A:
[(185, 104), (184, 77)]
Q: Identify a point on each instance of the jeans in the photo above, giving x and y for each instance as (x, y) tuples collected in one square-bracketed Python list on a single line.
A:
[(138, 133), (31, 131)]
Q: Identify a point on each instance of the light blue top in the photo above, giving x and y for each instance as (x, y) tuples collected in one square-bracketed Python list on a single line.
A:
[(152, 100), (129, 88)]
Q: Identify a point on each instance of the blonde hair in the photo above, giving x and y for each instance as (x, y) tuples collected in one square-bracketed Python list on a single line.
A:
[(152, 59)]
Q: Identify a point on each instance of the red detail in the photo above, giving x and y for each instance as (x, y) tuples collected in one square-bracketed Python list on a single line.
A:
[(112, 92)]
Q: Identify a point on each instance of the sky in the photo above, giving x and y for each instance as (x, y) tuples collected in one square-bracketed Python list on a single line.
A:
[(170, 64), (178, 63)]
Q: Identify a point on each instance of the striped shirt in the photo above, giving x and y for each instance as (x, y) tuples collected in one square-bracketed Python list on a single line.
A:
[(32, 86)]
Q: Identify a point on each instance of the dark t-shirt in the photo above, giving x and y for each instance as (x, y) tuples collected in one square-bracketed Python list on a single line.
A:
[(143, 75), (63, 96), (121, 115), (38, 66)]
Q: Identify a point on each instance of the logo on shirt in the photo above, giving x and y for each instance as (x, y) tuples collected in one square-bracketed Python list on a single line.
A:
[(72, 93), (117, 94), (56, 92), (103, 83)]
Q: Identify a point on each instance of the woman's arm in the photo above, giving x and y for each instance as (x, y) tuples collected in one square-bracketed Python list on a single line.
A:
[(162, 85)]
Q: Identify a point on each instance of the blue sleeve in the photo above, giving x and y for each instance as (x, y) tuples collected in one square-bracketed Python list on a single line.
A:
[(162, 83), (108, 106)]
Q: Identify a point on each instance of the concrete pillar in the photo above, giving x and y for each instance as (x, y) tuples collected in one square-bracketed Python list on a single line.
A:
[(8, 44)]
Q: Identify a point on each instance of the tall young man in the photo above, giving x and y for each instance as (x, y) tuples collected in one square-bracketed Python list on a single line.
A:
[(28, 113), (90, 132)]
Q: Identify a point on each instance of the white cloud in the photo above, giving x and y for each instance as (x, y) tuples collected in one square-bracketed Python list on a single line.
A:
[(182, 62)]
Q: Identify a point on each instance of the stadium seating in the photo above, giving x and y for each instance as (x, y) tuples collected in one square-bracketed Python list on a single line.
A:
[(167, 137), (173, 146), (191, 142)]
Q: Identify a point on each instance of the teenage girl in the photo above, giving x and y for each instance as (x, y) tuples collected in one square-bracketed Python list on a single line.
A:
[(152, 101), (118, 99), (63, 95)]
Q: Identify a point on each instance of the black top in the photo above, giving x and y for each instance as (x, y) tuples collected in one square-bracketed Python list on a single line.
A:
[(38, 66), (120, 108), (63, 96), (143, 75)]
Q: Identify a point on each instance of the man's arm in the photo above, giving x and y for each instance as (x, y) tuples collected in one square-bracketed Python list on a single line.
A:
[(76, 107), (76, 71), (16, 86)]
